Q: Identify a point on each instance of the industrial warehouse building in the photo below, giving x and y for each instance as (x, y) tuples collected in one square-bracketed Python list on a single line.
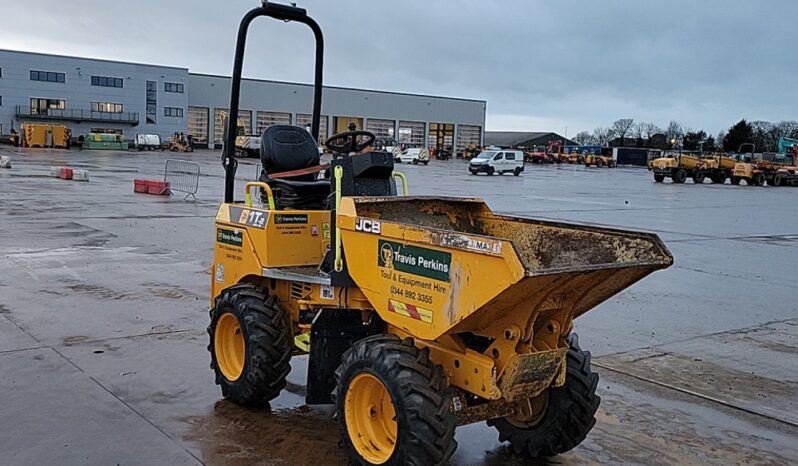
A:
[(92, 95)]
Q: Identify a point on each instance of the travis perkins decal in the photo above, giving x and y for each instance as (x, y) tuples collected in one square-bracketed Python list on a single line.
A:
[(231, 237), (283, 219), (414, 260)]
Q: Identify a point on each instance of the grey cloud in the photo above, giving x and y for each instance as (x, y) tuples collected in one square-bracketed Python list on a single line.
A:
[(580, 63)]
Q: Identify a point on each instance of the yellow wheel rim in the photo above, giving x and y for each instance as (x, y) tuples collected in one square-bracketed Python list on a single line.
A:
[(370, 418), (228, 344)]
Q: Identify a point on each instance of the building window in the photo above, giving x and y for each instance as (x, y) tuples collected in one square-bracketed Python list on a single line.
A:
[(105, 81), (48, 76), (152, 101), (107, 107), (173, 87), (41, 106), (107, 131), (173, 112)]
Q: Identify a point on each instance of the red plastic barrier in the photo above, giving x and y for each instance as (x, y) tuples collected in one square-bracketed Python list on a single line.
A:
[(65, 173), (140, 186), (158, 187), (151, 186)]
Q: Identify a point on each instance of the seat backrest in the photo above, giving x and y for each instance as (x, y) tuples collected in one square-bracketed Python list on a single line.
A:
[(285, 148)]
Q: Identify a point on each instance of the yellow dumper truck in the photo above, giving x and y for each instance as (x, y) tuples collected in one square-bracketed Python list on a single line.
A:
[(423, 313)]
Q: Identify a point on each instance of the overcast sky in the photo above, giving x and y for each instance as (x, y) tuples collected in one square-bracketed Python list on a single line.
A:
[(540, 65)]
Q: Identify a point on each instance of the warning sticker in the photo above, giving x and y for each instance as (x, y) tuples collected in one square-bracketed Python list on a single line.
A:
[(409, 310)]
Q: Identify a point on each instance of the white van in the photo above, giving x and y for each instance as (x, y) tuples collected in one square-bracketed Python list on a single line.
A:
[(497, 161), (413, 155)]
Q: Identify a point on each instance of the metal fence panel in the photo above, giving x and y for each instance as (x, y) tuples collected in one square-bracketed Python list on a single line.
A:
[(182, 176)]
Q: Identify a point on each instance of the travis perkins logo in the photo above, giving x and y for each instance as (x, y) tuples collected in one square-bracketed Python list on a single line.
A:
[(414, 260)]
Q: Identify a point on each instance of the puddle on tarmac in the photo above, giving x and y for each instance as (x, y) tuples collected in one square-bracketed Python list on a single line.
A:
[(232, 435)]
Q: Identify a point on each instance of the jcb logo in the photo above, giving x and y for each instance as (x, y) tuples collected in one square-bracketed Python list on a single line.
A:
[(368, 225)]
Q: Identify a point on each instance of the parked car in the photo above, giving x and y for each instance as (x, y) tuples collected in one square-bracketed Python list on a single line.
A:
[(497, 161), (413, 155)]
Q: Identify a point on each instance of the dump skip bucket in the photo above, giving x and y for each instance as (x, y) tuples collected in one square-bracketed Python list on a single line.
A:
[(462, 268)]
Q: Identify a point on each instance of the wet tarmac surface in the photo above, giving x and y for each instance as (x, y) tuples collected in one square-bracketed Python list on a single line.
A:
[(103, 309)]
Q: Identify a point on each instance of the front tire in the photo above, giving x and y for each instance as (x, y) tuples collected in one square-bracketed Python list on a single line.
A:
[(758, 179), (394, 404), (490, 171), (415, 161), (250, 345), (659, 178), (568, 416), (735, 180)]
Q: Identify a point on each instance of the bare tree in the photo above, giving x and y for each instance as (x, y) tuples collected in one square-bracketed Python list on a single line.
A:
[(620, 128), (644, 130), (787, 129), (674, 132), (602, 135), (584, 138)]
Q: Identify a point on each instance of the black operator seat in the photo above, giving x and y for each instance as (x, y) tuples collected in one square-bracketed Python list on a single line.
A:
[(285, 148)]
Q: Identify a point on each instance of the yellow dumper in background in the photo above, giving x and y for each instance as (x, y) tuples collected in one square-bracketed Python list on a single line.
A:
[(45, 135)]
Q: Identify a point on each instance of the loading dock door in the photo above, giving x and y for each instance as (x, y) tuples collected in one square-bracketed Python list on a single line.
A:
[(198, 124), (383, 129), (441, 135), (411, 133), (341, 123), (466, 135), (266, 119), (305, 120)]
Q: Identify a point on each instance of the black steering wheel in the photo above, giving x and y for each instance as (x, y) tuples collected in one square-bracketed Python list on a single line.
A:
[(347, 142)]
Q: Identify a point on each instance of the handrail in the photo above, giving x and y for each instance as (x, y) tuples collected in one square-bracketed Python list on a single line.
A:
[(285, 13), (402, 177), (261, 185), (338, 174)]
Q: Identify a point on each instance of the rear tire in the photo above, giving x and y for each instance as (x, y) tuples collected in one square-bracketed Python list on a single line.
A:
[(776, 180), (426, 162), (251, 371), (698, 176), (659, 178), (719, 177), (758, 179), (600, 163), (735, 180), (517, 171), (411, 420), (415, 161), (679, 175), (569, 414)]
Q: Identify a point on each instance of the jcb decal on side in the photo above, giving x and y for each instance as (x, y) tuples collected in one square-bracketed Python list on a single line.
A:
[(368, 225), (408, 310)]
